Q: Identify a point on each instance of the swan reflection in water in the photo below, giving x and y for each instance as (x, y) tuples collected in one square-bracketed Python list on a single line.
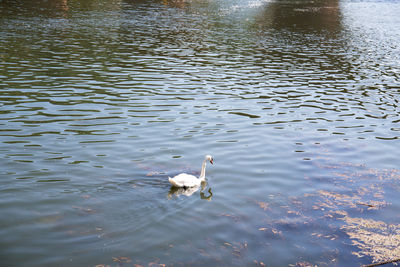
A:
[(179, 191)]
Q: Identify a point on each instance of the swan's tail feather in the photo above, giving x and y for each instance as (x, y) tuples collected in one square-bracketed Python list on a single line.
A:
[(171, 181)]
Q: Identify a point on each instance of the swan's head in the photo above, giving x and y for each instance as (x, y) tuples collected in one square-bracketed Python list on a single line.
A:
[(210, 159)]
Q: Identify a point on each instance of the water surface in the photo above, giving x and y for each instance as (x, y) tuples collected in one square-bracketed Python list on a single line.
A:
[(101, 101)]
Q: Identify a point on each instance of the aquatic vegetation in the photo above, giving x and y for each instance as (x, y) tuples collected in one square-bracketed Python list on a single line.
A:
[(373, 238), (121, 259), (349, 211)]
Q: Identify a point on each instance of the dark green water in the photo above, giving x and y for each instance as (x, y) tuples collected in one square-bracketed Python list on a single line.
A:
[(101, 101)]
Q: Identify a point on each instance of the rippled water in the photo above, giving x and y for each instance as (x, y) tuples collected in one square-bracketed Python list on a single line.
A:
[(101, 101)]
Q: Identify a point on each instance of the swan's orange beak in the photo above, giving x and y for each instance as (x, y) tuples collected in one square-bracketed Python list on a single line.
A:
[(212, 161)]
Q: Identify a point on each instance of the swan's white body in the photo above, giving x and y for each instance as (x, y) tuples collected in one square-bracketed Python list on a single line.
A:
[(188, 180)]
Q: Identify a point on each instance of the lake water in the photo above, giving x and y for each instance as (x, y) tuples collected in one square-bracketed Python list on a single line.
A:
[(102, 100)]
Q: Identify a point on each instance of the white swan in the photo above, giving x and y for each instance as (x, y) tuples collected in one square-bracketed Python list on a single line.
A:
[(187, 180)]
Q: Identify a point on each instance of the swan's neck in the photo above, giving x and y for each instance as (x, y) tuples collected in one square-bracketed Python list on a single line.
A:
[(203, 171)]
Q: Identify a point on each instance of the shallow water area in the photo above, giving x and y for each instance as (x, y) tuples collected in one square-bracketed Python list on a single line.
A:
[(101, 101)]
